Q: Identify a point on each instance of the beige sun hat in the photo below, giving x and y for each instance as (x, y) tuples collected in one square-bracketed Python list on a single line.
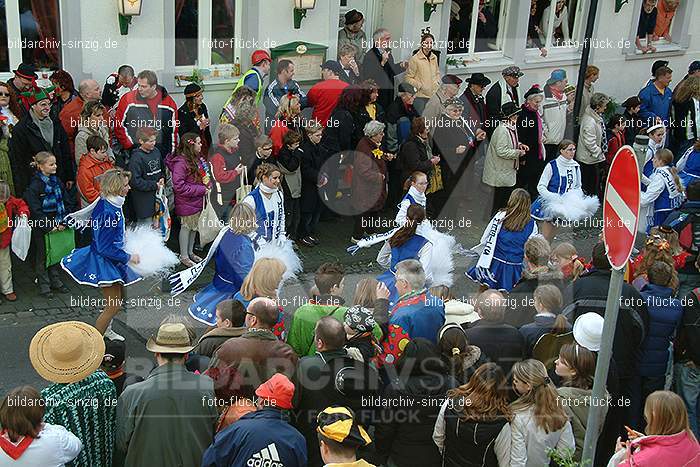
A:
[(66, 352), (171, 338)]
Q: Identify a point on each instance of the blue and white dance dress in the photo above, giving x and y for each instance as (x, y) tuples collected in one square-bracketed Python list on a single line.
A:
[(648, 167), (661, 197), (104, 262), (561, 196), (271, 239), (689, 167), (417, 247), (233, 259), (502, 252)]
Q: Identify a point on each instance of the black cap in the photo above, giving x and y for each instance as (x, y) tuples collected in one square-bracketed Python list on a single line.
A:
[(115, 352), (192, 89), (334, 66), (694, 66), (658, 64), (352, 17), (633, 101), (407, 87), (478, 78), (535, 89), (509, 109)]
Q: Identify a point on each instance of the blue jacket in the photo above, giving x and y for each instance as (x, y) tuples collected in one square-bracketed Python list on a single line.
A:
[(261, 438), (665, 313), (655, 104), (419, 315)]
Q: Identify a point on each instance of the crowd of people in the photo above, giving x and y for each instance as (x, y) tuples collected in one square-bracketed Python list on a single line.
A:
[(405, 374)]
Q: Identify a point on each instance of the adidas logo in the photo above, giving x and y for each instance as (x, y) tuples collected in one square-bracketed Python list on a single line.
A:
[(267, 457)]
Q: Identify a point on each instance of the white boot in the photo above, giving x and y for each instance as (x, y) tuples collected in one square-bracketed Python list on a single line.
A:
[(111, 335)]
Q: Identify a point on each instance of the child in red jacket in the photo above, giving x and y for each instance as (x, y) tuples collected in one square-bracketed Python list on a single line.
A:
[(10, 207)]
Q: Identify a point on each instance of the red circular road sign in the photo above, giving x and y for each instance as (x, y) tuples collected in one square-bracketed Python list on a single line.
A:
[(621, 207)]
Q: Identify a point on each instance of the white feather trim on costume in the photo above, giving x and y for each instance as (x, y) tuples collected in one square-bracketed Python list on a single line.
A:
[(441, 264), (155, 259), (573, 206), (284, 253)]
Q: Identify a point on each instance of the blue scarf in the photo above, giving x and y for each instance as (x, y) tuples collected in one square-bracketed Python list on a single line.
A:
[(53, 201)]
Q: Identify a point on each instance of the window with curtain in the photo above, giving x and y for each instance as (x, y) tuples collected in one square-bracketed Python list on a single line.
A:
[(477, 26), (39, 22), (205, 33)]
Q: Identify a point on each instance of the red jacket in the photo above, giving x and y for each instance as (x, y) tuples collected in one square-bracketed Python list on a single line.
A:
[(160, 112), (324, 97), (615, 143), (15, 207)]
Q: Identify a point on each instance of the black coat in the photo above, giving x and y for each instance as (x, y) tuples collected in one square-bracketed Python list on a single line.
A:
[(146, 169), (470, 443), (361, 118), (34, 196), (406, 436), (27, 141), (681, 111), (414, 156), (312, 159), (315, 389), (589, 294), (338, 136), (687, 346), (500, 342), (522, 308), (187, 123), (493, 105), (531, 166), (448, 135), (246, 146), (383, 75)]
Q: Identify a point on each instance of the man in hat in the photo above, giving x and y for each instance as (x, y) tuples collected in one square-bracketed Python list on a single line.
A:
[(435, 107), (23, 81), (554, 112), (504, 90), (169, 418), (324, 96), (379, 65), (263, 437), (589, 293), (328, 378), (88, 90), (82, 397), (281, 86), (37, 132), (254, 78), (353, 35), (242, 363), (149, 105), (113, 365), (656, 98), (475, 110), (340, 436)]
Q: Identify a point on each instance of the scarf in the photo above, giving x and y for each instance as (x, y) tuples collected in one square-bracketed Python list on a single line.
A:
[(14, 449), (267, 190), (53, 201), (558, 95), (45, 127), (488, 240), (417, 196), (180, 281)]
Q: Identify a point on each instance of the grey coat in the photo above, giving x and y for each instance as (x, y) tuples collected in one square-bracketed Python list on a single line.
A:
[(167, 420), (501, 163)]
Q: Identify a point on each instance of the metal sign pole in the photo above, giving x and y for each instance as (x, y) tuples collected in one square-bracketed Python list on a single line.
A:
[(612, 307)]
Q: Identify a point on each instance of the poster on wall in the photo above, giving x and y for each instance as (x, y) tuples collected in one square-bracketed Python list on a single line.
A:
[(307, 59)]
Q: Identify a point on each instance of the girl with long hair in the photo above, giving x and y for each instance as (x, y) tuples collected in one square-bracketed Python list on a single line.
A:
[(461, 358), (664, 192), (408, 242), (502, 246), (576, 367), (686, 98), (267, 200), (540, 423), (668, 439), (287, 118), (191, 183), (560, 194), (264, 280), (472, 428), (566, 258)]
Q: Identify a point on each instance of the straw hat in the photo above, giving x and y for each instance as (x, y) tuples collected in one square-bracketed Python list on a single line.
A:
[(66, 352), (171, 338)]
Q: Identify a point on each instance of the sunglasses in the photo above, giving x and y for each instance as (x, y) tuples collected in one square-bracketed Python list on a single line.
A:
[(4, 94)]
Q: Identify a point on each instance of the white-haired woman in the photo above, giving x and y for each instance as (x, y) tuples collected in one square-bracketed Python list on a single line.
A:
[(369, 179)]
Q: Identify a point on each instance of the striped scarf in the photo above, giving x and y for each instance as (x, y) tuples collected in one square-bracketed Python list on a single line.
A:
[(93, 421), (53, 201)]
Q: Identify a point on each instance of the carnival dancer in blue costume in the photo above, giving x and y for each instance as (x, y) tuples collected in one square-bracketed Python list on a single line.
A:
[(689, 165), (664, 192), (502, 247), (233, 255), (110, 262), (408, 242), (267, 201), (657, 135), (560, 195)]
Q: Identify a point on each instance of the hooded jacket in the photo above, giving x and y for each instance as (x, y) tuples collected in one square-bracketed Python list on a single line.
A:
[(665, 314), (679, 449), (189, 193)]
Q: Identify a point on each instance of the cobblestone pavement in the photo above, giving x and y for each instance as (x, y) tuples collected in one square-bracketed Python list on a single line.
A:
[(147, 304)]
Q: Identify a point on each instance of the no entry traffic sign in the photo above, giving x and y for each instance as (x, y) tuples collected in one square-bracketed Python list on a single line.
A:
[(621, 207)]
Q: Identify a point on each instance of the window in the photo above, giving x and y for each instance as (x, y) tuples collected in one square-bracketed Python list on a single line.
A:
[(477, 26), (664, 22), (555, 23), (205, 33), (29, 32)]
